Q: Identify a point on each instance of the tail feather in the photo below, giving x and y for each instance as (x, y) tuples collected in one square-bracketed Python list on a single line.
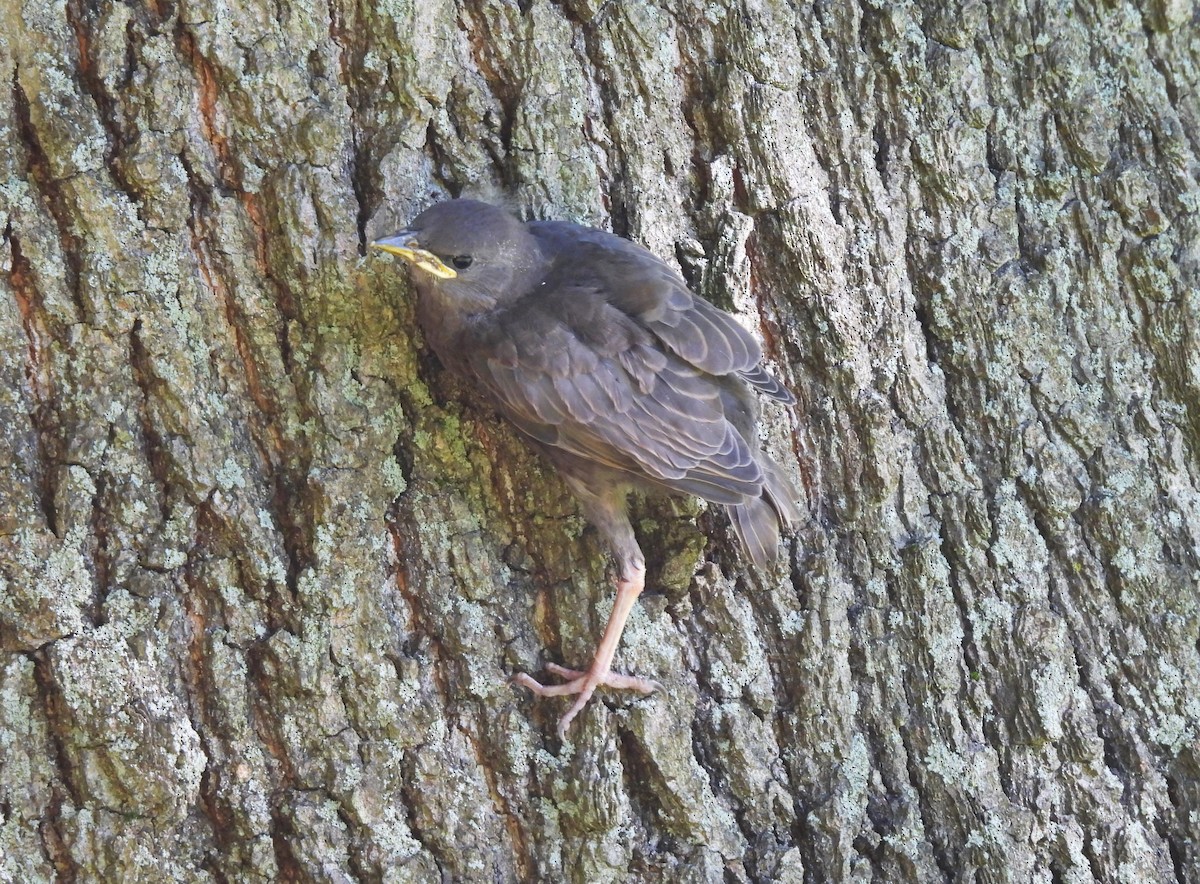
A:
[(779, 490), (757, 526), (757, 521)]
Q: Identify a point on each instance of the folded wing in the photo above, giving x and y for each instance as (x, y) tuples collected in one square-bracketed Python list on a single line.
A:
[(576, 373)]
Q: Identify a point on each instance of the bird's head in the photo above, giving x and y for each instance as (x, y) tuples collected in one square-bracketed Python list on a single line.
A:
[(466, 249)]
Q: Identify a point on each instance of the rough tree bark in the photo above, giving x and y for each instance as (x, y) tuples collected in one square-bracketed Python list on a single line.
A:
[(263, 574)]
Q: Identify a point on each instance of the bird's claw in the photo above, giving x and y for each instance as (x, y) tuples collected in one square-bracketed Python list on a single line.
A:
[(583, 684)]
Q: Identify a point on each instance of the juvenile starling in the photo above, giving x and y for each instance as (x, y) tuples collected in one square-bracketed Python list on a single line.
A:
[(598, 353)]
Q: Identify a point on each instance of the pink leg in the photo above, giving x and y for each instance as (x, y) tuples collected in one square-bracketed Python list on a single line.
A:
[(585, 683)]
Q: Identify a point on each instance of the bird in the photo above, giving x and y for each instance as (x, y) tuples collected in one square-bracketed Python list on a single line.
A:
[(604, 360)]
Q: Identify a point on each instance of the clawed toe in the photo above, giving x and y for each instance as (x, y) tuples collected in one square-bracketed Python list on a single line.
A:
[(584, 685)]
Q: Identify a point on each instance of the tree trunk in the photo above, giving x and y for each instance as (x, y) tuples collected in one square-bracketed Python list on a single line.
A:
[(265, 570)]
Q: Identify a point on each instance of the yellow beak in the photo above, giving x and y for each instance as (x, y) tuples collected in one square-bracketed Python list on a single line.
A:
[(404, 244)]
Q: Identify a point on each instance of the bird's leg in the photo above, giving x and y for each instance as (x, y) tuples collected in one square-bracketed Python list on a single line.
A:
[(604, 503), (584, 684)]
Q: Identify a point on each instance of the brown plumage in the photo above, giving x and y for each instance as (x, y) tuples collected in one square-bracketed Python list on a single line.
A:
[(598, 352)]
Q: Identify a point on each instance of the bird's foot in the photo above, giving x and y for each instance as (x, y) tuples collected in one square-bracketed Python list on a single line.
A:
[(584, 684)]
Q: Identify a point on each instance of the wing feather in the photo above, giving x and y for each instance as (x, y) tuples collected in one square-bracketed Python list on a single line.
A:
[(588, 379)]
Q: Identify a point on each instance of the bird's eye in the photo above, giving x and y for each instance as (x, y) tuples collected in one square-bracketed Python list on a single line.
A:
[(462, 262)]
